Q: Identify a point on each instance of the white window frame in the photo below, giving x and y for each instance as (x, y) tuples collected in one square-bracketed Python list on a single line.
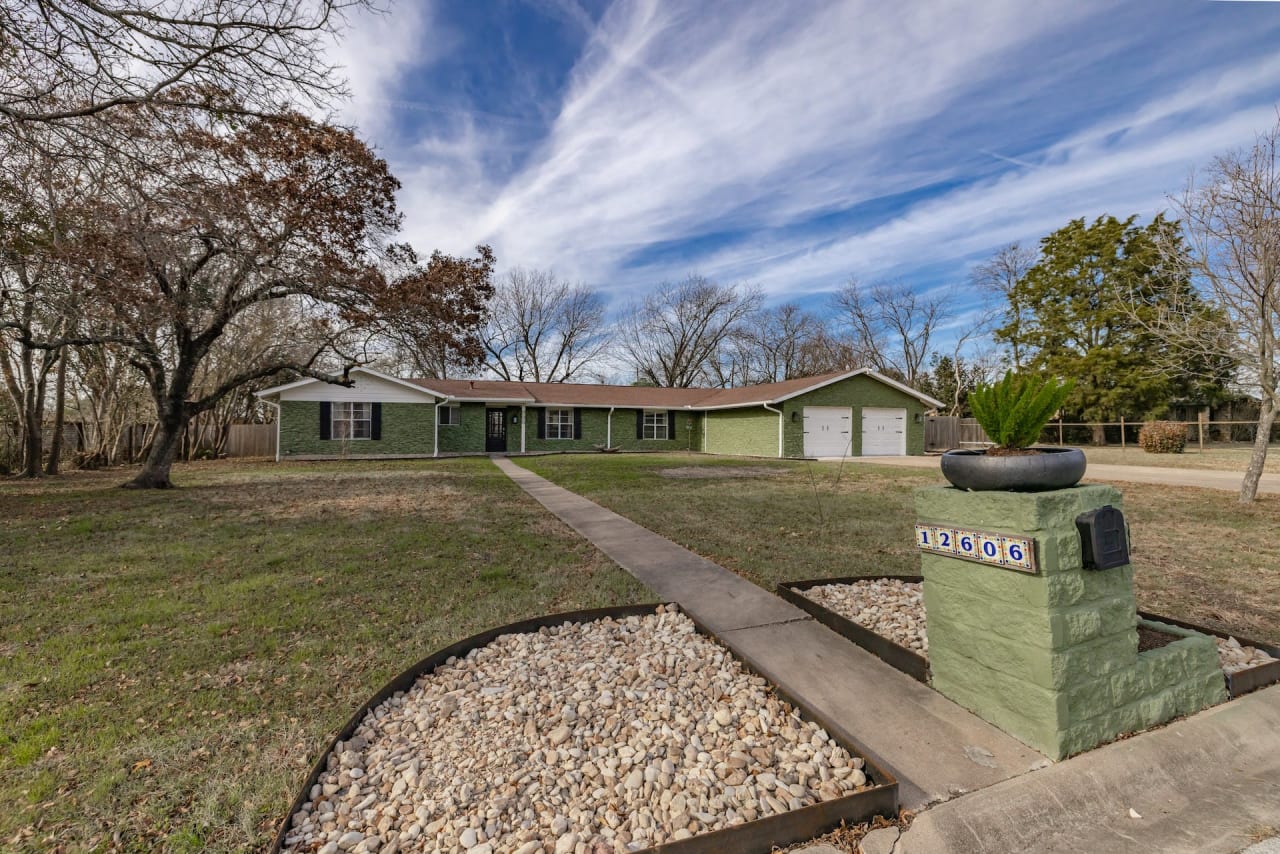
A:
[(559, 423), (652, 428), (450, 416), (347, 418)]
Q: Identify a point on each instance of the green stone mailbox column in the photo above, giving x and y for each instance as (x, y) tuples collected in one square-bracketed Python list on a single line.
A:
[(1051, 657)]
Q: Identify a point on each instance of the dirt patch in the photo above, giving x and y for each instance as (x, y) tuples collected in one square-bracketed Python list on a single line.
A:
[(719, 472), (1149, 639)]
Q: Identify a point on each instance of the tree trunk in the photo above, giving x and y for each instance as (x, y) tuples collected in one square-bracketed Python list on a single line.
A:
[(1099, 434), (59, 416), (32, 426), (164, 447), (1258, 459)]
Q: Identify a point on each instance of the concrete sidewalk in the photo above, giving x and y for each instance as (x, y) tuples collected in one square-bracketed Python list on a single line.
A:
[(935, 748), (1208, 784), (1228, 481)]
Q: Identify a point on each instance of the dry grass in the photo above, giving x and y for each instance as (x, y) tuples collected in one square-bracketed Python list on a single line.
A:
[(1216, 457), (171, 663), (1198, 554)]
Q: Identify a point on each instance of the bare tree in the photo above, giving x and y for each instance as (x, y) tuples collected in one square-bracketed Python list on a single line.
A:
[(781, 343), (674, 335), (999, 275), (889, 327), (542, 329), (68, 59), (41, 198), (1231, 224)]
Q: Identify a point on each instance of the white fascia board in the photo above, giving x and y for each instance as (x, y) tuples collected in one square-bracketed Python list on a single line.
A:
[(905, 389), (745, 405), (420, 389), (370, 371), (277, 389)]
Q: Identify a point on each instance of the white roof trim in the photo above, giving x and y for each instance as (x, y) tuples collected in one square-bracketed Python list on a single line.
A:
[(370, 371), (905, 389)]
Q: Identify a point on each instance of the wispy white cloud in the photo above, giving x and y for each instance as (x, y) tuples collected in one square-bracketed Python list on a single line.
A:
[(375, 51), (682, 122)]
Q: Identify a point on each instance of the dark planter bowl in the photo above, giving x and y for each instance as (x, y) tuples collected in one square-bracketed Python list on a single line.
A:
[(1052, 468)]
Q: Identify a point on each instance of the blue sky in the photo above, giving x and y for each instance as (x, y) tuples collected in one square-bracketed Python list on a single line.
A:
[(794, 144)]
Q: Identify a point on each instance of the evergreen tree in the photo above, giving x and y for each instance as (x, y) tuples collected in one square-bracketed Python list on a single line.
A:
[(1092, 297)]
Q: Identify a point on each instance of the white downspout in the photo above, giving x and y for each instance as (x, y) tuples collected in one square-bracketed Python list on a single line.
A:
[(779, 411), (279, 415), (522, 422), (608, 429), (435, 440)]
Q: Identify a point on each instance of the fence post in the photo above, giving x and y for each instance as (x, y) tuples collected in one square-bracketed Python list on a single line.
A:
[(1122, 434), (1059, 429), (1200, 429)]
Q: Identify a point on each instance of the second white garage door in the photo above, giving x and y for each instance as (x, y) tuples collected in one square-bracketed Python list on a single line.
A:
[(827, 431), (884, 432)]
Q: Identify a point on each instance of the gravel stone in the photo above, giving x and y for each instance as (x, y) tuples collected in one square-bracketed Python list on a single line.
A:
[(609, 736), (895, 610), (890, 608)]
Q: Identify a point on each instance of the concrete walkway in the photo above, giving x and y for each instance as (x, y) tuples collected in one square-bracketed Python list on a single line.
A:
[(1208, 784), (1228, 481), (935, 748)]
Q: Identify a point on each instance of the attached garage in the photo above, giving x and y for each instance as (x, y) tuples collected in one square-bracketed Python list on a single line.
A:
[(884, 432), (828, 431)]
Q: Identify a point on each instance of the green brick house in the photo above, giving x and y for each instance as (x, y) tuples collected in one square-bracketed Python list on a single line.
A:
[(850, 413)]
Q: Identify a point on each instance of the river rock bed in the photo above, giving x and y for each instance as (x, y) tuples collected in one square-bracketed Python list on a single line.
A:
[(608, 736), (895, 610), (891, 608)]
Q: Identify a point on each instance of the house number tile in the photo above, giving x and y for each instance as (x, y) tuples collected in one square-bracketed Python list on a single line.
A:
[(1017, 553)]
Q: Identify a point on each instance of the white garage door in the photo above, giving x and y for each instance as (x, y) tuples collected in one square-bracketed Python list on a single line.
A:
[(827, 431), (884, 432)]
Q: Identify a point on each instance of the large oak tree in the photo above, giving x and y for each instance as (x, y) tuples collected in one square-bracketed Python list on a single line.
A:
[(235, 219)]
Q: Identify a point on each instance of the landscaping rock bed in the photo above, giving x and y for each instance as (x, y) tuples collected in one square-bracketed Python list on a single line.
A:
[(603, 736), (894, 609), (887, 606)]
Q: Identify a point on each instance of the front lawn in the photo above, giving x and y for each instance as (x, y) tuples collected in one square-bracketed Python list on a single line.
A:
[(1198, 554), (171, 663)]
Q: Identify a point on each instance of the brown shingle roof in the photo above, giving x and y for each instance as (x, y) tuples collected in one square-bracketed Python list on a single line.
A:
[(596, 394), (623, 396)]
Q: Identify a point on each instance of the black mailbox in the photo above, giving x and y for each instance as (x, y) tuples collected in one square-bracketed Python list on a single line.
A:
[(1104, 541)]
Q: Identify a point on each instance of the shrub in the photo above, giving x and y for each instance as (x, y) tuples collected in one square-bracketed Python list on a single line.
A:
[(1014, 410), (1163, 437)]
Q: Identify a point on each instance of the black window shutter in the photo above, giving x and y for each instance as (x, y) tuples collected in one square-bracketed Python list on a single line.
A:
[(542, 423), (671, 423), (326, 420), (639, 423), (577, 423), (375, 428)]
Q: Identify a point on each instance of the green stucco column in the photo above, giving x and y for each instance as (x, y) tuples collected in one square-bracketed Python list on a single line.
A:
[(1050, 657)]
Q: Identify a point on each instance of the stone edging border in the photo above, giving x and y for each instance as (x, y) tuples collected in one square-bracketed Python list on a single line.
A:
[(916, 666), (754, 837)]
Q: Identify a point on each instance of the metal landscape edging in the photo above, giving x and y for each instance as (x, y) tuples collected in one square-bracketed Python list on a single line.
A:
[(753, 837), (1241, 681), (909, 662), (1238, 683)]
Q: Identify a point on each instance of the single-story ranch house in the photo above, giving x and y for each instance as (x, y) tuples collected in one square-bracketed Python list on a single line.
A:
[(850, 413)]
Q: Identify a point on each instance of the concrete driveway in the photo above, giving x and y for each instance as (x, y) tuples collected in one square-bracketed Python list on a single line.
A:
[(1228, 481)]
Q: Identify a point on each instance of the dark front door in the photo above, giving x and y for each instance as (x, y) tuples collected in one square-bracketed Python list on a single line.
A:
[(495, 431)]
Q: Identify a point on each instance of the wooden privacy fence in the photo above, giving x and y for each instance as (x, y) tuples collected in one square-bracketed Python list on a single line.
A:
[(946, 432), (251, 440)]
